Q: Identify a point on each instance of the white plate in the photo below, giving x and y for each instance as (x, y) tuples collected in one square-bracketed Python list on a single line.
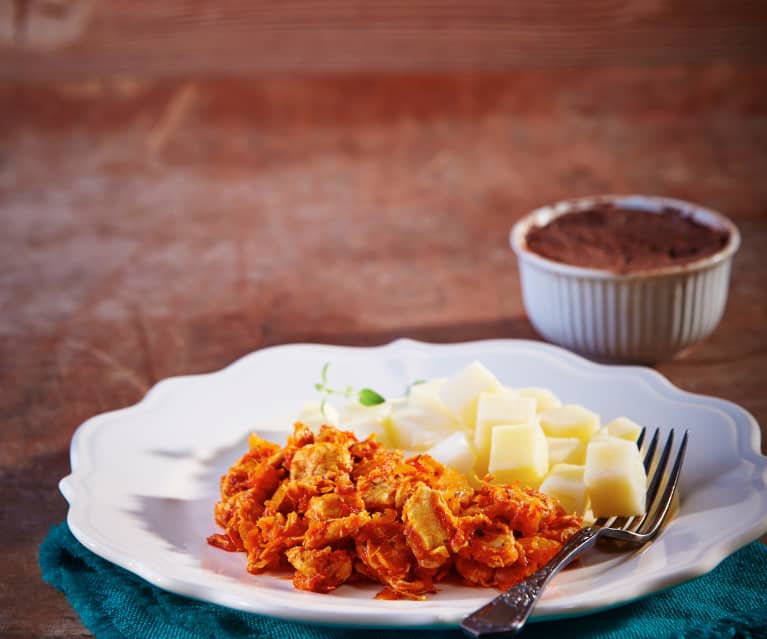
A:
[(145, 478)]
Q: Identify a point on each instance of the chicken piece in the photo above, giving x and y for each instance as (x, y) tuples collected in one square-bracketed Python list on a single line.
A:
[(484, 541), (538, 550), (224, 542), (294, 496), (475, 572), (260, 447), (249, 509), (319, 570), (223, 511), (242, 510), (244, 488), (378, 478), (333, 517), (534, 553), (330, 435), (453, 485), (523, 509), (270, 537), (282, 500), (384, 556), (333, 506), (302, 436), (262, 482), (375, 459), (322, 462), (254, 467), (561, 528), (365, 450), (429, 525)]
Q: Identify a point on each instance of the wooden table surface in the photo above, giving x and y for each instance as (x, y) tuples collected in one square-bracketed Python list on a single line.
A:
[(164, 227)]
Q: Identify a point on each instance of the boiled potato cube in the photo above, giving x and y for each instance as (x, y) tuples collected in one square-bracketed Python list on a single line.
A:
[(456, 452), (624, 428), (494, 409), (504, 407), (381, 430), (615, 477), (354, 411), (566, 450), (428, 391), (460, 393), (565, 484), (544, 398), (518, 452), (364, 421), (570, 420), (416, 427), (312, 415), (428, 394)]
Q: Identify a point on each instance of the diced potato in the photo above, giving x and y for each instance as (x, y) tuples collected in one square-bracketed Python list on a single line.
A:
[(311, 414), (416, 427), (504, 407), (566, 450), (624, 428), (570, 420), (565, 484), (428, 394), (363, 421), (494, 409), (428, 391), (382, 431), (518, 452), (456, 452), (615, 477), (460, 393), (544, 398), (354, 411)]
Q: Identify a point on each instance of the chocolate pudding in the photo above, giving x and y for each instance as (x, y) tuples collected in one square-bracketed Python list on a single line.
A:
[(622, 240)]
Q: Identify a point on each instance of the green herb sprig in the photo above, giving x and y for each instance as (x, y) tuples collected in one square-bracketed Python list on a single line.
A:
[(365, 396)]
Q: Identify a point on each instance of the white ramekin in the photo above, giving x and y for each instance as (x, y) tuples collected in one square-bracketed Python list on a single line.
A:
[(641, 317)]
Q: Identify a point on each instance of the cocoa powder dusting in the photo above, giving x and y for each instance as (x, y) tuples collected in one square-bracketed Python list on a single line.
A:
[(622, 240)]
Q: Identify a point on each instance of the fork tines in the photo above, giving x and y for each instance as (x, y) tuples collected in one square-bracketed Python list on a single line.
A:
[(662, 480)]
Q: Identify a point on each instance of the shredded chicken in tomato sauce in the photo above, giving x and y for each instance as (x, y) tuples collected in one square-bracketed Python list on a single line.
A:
[(338, 510)]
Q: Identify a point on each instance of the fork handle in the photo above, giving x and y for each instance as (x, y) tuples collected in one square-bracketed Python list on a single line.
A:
[(507, 613)]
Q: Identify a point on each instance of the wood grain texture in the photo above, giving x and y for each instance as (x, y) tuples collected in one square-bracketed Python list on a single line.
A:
[(158, 228), (80, 38)]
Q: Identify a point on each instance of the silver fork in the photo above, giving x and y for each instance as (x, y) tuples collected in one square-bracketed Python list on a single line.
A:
[(506, 614)]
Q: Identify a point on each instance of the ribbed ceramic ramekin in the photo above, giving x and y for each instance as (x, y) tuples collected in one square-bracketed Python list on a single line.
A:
[(640, 317)]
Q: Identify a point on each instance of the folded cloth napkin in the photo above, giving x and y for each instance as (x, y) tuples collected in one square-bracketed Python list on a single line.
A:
[(730, 601)]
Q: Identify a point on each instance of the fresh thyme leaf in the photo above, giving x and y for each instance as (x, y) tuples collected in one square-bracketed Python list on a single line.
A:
[(368, 397)]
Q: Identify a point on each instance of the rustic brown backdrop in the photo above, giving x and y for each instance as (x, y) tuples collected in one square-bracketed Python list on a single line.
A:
[(66, 38)]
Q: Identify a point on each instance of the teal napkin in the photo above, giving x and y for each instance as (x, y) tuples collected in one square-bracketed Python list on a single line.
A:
[(730, 601)]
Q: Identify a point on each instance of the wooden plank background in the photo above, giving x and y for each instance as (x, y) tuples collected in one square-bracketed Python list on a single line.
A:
[(41, 39)]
